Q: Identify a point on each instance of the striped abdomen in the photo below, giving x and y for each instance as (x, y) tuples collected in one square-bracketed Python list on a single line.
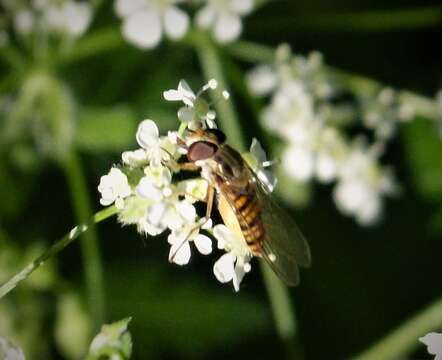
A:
[(248, 213)]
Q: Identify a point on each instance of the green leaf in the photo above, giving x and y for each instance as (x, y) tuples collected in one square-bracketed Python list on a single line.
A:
[(424, 154), (106, 129), (93, 44), (113, 342)]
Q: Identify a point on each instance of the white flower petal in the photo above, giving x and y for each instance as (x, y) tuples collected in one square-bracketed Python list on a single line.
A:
[(257, 151), (172, 95), (242, 7), (433, 341), (77, 17), (224, 268), (127, 7), (298, 162), (206, 16), (176, 22), (24, 22), (180, 253), (222, 234), (186, 210), (148, 190), (134, 158), (261, 80), (155, 214), (143, 29), (147, 134), (239, 274), (227, 28), (326, 168), (188, 96), (203, 244)]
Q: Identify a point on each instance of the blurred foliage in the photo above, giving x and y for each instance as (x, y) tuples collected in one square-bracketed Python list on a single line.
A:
[(90, 98), (113, 342), (104, 129), (198, 318), (424, 150)]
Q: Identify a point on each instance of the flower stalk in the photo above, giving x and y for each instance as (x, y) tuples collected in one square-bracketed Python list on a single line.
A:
[(55, 249), (404, 339), (278, 294), (92, 263)]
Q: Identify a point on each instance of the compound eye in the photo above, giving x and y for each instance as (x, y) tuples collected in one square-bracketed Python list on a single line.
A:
[(201, 150)]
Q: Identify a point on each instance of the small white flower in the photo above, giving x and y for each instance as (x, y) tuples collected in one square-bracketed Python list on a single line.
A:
[(259, 165), (148, 190), (114, 187), (183, 93), (261, 80), (233, 265), (180, 243), (135, 158), (157, 149), (144, 21), (68, 17), (434, 344), (155, 185), (77, 17), (299, 163), (361, 185), (197, 111), (326, 167), (224, 16), (24, 22)]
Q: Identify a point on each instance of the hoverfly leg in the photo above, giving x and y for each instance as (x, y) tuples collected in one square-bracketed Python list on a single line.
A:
[(186, 238), (209, 200), (188, 166)]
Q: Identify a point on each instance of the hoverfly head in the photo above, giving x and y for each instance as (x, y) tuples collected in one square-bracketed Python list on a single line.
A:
[(201, 150)]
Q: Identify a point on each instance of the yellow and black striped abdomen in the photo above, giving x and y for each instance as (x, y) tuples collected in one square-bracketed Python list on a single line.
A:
[(248, 213)]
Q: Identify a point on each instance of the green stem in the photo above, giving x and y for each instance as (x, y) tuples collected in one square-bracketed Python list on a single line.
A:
[(92, 264), (278, 294), (54, 249), (257, 53), (283, 313), (359, 21), (212, 68), (404, 339)]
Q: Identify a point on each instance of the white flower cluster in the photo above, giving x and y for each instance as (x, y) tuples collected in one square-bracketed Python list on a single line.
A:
[(145, 21), (147, 193), (383, 112), (301, 113), (66, 17)]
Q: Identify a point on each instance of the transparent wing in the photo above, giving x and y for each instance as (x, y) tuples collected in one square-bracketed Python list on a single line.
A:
[(282, 234), (284, 246)]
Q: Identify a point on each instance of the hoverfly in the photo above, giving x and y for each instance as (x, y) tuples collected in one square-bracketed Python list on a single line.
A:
[(246, 206)]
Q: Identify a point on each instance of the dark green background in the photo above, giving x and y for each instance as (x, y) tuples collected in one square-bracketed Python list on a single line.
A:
[(364, 281)]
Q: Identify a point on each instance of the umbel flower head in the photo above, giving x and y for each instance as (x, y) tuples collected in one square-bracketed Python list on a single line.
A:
[(302, 110), (150, 193)]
